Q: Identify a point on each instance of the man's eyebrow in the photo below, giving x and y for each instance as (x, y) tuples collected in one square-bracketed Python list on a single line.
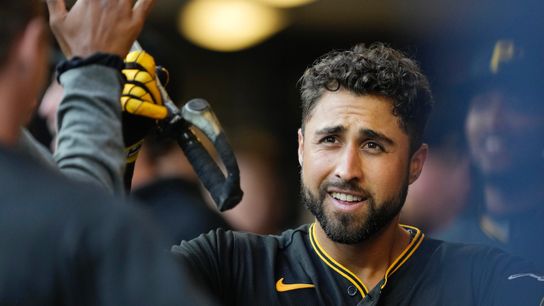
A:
[(368, 133), (331, 130)]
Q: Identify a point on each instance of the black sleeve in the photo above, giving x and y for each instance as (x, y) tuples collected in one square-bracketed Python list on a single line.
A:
[(224, 262), (206, 258), (64, 243), (507, 280), (118, 259)]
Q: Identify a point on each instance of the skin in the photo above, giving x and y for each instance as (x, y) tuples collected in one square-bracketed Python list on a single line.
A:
[(90, 26), (22, 76), (357, 139)]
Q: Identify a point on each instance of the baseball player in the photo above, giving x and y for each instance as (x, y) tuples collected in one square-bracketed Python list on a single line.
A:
[(504, 130), (364, 111), (64, 243)]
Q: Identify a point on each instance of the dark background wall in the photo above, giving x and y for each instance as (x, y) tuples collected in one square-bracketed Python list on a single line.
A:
[(256, 88)]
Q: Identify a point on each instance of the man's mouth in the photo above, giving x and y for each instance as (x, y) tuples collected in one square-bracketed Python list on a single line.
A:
[(346, 197)]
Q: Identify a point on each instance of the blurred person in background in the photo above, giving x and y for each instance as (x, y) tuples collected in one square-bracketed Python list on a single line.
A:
[(43, 125), (47, 111), (64, 243), (166, 185), (81, 118), (263, 207), (441, 193), (505, 128)]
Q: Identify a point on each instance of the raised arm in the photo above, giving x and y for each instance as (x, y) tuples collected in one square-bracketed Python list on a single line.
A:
[(95, 36)]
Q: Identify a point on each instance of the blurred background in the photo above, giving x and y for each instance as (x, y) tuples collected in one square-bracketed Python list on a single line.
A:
[(245, 57)]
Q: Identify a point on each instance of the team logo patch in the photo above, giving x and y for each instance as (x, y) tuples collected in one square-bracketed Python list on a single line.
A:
[(282, 287), (539, 278)]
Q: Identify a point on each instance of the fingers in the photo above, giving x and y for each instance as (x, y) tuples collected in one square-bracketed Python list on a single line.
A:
[(141, 9), (141, 108), (142, 58), (57, 14), (140, 84), (91, 26), (57, 9), (141, 95)]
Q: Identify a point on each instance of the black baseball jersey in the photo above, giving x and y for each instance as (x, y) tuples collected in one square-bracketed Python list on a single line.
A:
[(293, 269), (65, 244)]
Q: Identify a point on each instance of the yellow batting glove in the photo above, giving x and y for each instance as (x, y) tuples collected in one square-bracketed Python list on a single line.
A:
[(141, 95)]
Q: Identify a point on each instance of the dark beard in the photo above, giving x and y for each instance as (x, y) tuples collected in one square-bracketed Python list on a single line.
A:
[(348, 228)]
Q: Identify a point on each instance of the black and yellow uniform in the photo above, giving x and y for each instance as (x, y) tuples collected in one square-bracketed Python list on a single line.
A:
[(293, 269), (63, 243)]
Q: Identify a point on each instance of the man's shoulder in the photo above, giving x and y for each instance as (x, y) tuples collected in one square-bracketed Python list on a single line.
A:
[(457, 257), (283, 239), (450, 250), (495, 276), (54, 210), (31, 188), (464, 229), (30, 147), (24, 178), (220, 239)]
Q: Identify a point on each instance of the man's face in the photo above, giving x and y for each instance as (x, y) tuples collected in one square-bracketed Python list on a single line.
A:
[(33, 54), (356, 165), (505, 136)]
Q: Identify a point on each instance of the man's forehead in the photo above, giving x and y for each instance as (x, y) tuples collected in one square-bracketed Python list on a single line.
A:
[(342, 99), (345, 111)]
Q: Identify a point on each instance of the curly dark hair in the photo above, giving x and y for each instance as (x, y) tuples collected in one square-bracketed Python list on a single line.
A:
[(373, 70)]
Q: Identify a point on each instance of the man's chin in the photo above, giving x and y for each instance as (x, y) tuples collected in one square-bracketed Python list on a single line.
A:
[(345, 228)]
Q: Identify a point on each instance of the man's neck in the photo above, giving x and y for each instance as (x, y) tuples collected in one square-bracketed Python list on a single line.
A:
[(369, 259)]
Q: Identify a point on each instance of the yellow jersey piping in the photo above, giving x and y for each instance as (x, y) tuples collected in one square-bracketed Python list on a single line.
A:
[(407, 253), (350, 276), (346, 273)]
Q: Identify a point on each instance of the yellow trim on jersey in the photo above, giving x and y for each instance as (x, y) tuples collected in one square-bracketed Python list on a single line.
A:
[(407, 253), (345, 272), (350, 276)]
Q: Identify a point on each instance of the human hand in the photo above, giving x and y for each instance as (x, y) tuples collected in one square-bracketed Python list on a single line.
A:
[(91, 26)]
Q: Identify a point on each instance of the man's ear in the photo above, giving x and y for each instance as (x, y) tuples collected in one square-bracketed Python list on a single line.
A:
[(300, 146), (417, 161)]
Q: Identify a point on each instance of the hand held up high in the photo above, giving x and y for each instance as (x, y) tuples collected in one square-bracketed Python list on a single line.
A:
[(91, 26)]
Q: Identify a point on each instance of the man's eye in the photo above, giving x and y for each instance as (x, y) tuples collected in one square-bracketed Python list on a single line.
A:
[(373, 147), (328, 139)]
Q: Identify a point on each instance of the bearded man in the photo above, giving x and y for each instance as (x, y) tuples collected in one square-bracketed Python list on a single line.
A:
[(360, 146)]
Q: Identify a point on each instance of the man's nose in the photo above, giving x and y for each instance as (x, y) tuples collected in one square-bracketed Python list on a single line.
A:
[(349, 166)]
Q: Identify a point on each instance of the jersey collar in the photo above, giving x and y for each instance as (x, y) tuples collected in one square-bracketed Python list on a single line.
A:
[(417, 238)]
